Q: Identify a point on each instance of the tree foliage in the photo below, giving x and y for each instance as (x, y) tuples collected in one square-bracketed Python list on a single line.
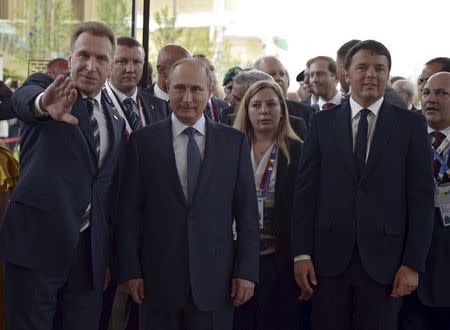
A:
[(117, 14), (43, 27), (196, 40)]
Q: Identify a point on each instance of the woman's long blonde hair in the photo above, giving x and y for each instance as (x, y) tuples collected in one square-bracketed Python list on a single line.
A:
[(284, 130)]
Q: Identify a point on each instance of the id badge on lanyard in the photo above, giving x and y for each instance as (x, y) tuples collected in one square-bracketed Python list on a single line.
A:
[(443, 189), (264, 184)]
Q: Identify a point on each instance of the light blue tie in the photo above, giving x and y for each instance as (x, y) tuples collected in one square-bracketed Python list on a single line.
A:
[(194, 163)]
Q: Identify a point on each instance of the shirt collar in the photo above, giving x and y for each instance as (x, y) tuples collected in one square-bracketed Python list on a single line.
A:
[(121, 95), (336, 99), (160, 93), (178, 127), (97, 97), (374, 108), (445, 131)]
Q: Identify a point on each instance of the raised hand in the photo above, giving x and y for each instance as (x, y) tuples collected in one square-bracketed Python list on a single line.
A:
[(59, 98)]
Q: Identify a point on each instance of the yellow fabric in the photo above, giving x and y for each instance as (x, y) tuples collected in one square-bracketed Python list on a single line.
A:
[(9, 170)]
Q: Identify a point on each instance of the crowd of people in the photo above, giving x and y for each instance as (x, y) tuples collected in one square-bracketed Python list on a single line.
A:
[(170, 208)]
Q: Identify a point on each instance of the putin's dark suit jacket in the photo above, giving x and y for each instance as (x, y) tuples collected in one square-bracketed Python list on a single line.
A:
[(180, 249), (388, 214), (59, 178)]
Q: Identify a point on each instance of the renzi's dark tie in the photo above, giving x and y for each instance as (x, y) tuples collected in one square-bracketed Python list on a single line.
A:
[(94, 124), (131, 114), (361, 142), (194, 163), (438, 138)]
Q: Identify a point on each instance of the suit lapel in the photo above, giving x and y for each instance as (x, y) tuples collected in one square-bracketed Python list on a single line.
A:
[(344, 138), (386, 123), (79, 110), (115, 128), (147, 109)]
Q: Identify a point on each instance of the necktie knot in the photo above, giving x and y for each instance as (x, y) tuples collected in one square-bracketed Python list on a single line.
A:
[(189, 131), (364, 113), (438, 138), (129, 103), (328, 105), (90, 104)]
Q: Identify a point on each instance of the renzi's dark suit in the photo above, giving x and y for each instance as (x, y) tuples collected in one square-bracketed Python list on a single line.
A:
[(183, 251), (387, 216), (59, 178)]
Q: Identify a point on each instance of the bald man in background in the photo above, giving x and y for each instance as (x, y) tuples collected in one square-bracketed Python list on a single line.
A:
[(167, 56)]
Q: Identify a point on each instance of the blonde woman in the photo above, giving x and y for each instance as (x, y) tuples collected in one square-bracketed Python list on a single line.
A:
[(275, 152)]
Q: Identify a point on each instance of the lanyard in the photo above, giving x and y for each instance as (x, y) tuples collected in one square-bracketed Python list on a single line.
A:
[(444, 167), (265, 180), (443, 161)]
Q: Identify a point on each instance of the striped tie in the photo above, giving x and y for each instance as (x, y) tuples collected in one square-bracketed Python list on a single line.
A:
[(94, 124), (131, 113)]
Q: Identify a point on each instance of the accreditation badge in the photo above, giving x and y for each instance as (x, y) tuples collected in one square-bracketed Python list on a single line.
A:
[(443, 201)]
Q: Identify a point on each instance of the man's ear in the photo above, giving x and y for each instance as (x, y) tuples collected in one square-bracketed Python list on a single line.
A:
[(160, 69)]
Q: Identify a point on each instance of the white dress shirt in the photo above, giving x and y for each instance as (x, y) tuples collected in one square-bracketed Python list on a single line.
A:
[(160, 93), (180, 141), (371, 120)]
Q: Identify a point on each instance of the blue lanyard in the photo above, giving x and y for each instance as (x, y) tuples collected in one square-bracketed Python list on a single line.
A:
[(444, 167), (265, 180)]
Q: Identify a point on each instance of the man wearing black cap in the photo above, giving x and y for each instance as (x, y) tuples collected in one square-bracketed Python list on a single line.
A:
[(228, 80)]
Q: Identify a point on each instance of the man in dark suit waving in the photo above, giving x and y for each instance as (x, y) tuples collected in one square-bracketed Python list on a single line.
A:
[(55, 238), (364, 202), (179, 200)]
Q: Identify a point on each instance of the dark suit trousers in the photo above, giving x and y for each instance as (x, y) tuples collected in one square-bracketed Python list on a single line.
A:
[(187, 318), (274, 304), (353, 300), (416, 316), (36, 300)]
